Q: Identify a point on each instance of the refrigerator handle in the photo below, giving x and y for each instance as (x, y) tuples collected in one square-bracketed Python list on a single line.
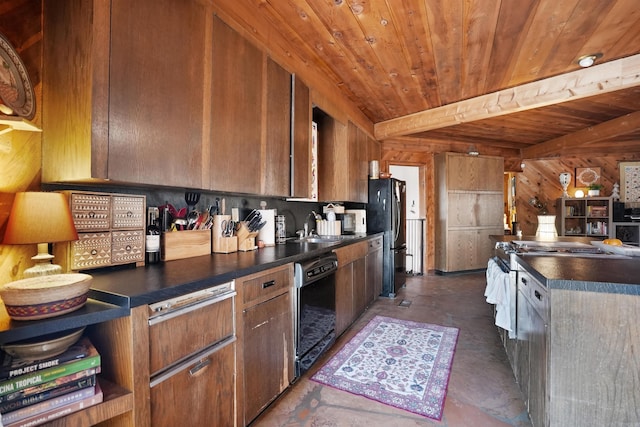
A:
[(384, 204), (378, 196)]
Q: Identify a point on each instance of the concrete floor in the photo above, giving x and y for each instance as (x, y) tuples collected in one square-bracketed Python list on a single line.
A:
[(482, 389)]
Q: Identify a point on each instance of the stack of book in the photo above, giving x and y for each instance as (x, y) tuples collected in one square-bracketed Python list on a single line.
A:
[(35, 392)]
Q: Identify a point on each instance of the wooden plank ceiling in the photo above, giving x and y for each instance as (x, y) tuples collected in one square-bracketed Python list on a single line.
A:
[(497, 75)]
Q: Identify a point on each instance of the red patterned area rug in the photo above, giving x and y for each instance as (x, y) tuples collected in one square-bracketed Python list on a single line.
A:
[(396, 362)]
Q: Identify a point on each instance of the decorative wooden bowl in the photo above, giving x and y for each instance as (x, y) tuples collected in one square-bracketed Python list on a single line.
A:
[(45, 296), (39, 348)]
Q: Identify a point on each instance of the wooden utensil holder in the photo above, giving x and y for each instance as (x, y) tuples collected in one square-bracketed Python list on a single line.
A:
[(185, 244), (246, 238), (219, 243)]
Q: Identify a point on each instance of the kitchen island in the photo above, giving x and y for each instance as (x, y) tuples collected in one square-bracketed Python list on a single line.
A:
[(578, 330)]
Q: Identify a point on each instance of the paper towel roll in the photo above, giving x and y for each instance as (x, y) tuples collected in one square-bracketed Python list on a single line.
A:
[(268, 233)]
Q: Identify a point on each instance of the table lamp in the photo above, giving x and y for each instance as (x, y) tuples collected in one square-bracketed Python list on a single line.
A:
[(40, 218)]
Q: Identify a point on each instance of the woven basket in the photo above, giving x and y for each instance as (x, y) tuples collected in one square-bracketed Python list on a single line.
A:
[(45, 296)]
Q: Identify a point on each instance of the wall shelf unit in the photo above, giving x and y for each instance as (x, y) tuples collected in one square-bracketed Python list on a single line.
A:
[(589, 216)]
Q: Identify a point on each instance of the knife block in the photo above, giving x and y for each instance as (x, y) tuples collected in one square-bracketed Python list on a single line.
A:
[(220, 243), (246, 238)]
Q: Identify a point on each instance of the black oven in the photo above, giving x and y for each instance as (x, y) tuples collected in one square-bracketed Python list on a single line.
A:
[(315, 309)]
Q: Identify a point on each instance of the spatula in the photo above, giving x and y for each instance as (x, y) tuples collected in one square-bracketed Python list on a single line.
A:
[(192, 198)]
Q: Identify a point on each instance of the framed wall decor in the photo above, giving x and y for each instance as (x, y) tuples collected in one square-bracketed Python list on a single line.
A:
[(16, 93), (630, 181), (587, 176)]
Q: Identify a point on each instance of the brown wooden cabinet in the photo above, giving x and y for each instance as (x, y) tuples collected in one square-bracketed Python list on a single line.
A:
[(350, 284), (343, 160), (567, 354), (358, 164), (196, 364), (303, 172), (469, 193), (373, 264), (116, 101), (250, 118), (266, 356)]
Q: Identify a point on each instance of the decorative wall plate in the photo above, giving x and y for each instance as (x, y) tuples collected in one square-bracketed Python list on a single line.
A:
[(16, 93), (587, 176)]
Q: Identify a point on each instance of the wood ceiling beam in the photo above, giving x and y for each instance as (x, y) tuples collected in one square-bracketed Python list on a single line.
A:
[(415, 145), (583, 138), (608, 77)]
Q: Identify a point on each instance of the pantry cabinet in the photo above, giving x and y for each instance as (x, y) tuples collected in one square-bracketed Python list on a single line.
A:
[(123, 97), (469, 196)]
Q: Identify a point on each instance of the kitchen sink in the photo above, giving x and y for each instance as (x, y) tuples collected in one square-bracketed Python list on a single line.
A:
[(325, 239)]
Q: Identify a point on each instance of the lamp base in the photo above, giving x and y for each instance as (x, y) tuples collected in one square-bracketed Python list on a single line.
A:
[(43, 266), (42, 269), (547, 227)]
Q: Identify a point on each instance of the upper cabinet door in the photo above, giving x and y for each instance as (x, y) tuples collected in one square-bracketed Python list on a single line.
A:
[(75, 90), (156, 92), (302, 156), (123, 91), (470, 173), (236, 150), (276, 180)]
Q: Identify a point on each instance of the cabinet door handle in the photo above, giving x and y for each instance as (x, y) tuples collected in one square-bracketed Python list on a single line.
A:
[(524, 281), (201, 365), (268, 284), (537, 295)]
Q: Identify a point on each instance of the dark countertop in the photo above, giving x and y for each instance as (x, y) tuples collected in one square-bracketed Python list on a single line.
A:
[(614, 276), (116, 290), (580, 273), (132, 287)]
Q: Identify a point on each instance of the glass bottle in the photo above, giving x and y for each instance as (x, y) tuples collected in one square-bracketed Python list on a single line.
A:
[(152, 241)]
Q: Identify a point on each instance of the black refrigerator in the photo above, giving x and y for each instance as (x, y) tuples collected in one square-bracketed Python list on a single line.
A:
[(386, 212)]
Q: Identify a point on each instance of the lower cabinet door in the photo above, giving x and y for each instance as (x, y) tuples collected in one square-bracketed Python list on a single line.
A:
[(200, 392), (268, 353)]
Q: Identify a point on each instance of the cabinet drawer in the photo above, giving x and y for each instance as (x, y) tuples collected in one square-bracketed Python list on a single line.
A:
[(259, 288), (91, 250), (127, 212), (350, 253), (535, 293), (201, 393), (127, 246), (177, 337), (375, 243), (91, 211)]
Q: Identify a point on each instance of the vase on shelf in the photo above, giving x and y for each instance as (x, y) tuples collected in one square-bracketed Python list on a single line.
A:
[(565, 179), (547, 227)]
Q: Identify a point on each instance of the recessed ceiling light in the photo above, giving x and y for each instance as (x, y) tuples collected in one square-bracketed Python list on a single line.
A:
[(588, 60)]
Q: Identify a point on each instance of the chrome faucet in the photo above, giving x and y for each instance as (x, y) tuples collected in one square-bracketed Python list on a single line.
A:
[(310, 232)]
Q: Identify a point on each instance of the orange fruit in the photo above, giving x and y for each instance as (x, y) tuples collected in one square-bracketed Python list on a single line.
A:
[(613, 242)]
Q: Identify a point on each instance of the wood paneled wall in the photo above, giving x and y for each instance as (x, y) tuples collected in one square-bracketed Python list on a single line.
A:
[(20, 151), (541, 178), (538, 178)]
